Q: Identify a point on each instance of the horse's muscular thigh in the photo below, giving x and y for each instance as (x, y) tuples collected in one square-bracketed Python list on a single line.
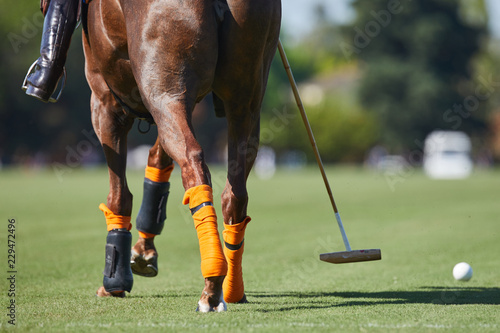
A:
[(173, 47)]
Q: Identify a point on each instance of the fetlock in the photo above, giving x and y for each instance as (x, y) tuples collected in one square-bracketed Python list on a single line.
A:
[(234, 245), (144, 258), (145, 247), (211, 299)]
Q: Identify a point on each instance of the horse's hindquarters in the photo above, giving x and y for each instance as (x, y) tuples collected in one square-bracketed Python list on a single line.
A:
[(173, 47), (106, 53), (248, 40)]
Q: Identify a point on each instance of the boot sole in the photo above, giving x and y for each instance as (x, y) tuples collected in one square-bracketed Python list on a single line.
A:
[(38, 93)]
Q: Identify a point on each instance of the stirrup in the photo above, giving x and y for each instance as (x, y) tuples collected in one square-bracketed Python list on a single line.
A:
[(24, 87)]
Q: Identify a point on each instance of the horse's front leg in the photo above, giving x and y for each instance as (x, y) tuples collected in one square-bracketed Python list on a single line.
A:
[(247, 46), (153, 211), (112, 126)]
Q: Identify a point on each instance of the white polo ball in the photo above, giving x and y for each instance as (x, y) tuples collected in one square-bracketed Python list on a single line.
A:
[(462, 271)]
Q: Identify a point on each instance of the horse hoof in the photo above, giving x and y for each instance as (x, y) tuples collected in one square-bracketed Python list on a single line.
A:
[(144, 266), (204, 306), (101, 292)]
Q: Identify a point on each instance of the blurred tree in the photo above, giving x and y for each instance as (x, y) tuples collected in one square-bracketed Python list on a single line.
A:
[(417, 71), (29, 129), (342, 128), (327, 81)]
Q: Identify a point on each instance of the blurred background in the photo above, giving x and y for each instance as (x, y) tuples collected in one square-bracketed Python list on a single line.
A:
[(376, 77)]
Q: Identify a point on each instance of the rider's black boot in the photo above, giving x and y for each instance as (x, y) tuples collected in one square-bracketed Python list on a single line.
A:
[(58, 27)]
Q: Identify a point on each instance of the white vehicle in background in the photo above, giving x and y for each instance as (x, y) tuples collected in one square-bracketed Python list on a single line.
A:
[(447, 155)]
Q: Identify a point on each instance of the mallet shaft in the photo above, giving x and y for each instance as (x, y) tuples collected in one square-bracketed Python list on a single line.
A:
[(334, 257), (296, 94), (342, 231)]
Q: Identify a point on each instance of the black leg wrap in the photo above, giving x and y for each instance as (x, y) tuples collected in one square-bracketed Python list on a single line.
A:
[(153, 211), (117, 272)]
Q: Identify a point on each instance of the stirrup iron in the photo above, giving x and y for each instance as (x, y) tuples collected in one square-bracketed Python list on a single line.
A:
[(24, 87)]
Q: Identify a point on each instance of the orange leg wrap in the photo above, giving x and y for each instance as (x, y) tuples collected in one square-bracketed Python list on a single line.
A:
[(146, 235), (233, 235), (115, 221), (213, 262), (159, 175)]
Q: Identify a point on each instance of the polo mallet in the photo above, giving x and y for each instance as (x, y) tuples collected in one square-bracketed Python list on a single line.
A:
[(333, 257)]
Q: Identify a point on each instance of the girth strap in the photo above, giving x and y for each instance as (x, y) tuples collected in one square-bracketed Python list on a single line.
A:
[(143, 116)]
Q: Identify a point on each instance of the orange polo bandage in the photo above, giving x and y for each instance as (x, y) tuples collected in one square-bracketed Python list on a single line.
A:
[(234, 235), (146, 235), (115, 221), (200, 201), (159, 175)]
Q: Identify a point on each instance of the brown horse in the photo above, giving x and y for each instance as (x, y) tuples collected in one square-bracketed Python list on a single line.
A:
[(156, 59)]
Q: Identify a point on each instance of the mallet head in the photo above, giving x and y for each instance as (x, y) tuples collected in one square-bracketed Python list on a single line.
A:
[(351, 256)]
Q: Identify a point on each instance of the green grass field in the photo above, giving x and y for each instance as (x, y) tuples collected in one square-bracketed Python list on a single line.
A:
[(423, 227)]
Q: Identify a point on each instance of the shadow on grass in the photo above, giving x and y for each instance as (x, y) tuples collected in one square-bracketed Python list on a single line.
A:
[(167, 295), (424, 295)]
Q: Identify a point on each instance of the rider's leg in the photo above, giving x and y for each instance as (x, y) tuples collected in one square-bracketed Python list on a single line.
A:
[(58, 27)]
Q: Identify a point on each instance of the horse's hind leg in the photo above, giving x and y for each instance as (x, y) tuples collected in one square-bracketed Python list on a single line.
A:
[(248, 42), (177, 138), (243, 133), (152, 214), (196, 180), (112, 126)]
